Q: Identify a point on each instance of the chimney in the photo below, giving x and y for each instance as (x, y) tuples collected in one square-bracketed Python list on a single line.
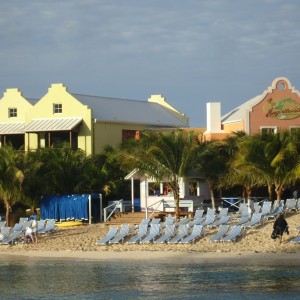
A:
[(213, 115)]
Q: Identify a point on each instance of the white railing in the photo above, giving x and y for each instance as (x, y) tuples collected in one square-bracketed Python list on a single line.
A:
[(159, 202), (112, 208)]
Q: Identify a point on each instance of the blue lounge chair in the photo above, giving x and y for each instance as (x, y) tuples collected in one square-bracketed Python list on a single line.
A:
[(223, 229), (153, 233), (109, 236), (119, 238), (182, 232), (256, 219), (197, 232), (221, 221), (296, 239), (291, 205), (169, 232), (198, 213), (12, 237), (233, 234), (244, 219), (142, 232), (210, 219), (197, 221)]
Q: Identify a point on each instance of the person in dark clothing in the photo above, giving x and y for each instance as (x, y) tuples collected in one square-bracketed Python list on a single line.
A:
[(281, 226)]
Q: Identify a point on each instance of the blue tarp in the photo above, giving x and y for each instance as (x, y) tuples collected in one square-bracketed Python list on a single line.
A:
[(65, 207)]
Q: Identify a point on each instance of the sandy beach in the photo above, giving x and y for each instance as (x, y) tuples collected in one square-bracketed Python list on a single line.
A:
[(80, 243)]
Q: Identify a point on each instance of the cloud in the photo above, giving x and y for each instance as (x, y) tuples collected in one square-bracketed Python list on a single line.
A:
[(192, 50)]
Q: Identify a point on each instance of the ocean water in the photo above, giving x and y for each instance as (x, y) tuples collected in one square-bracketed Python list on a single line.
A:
[(80, 279)]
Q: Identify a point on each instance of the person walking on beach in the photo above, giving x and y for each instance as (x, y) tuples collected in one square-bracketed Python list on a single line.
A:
[(281, 226), (34, 226)]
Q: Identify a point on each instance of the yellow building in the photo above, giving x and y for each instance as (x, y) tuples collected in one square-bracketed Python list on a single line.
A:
[(85, 122)]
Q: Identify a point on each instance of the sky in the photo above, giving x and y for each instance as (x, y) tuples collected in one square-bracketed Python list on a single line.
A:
[(190, 51)]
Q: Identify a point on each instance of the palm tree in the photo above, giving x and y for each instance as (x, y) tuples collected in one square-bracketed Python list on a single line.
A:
[(11, 178), (283, 153), (211, 161), (163, 156)]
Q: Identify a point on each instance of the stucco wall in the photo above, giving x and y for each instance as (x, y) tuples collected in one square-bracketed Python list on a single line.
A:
[(279, 107)]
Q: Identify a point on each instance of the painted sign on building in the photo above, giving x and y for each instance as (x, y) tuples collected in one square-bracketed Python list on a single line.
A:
[(283, 109)]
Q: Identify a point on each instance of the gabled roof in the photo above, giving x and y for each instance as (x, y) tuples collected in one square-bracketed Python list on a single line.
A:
[(238, 113), (57, 124), (131, 111)]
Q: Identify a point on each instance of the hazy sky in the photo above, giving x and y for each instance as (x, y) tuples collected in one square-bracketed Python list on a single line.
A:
[(190, 51)]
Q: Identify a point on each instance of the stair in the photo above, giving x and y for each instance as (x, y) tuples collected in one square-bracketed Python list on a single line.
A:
[(131, 218)]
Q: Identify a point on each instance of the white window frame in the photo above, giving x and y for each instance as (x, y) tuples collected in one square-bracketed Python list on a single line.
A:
[(57, 108), (12, 112), (268, 127)]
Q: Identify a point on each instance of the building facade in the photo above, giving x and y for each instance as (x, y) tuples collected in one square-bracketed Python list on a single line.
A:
[(84, 122), (276, 109)]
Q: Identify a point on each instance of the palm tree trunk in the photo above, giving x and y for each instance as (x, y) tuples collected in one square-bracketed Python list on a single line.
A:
[(7, 214), (213, 200)]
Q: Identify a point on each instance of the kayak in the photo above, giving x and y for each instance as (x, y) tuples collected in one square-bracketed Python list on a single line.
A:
[(69, 223)]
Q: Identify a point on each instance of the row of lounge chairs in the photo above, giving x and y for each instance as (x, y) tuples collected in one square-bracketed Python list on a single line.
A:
[(230, 226), (10, 235), (171, 234)]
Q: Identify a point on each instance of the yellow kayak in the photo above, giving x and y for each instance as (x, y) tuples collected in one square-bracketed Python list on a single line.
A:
[(69, 223)]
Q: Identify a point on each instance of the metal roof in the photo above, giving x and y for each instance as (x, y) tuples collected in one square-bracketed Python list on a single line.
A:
[(238, 113), (57, 124), (131, 111), (12, 128)]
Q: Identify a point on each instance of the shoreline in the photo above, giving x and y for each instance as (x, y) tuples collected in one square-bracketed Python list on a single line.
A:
[(80, 243), (157, 257)]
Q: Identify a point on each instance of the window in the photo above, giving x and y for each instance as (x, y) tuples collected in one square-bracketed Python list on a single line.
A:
[(268, 130), (12, 112), (154, 189), (57, 108), (295, 132), (193, 188)]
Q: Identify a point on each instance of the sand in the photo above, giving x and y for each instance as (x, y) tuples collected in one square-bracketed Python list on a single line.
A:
[(80, 243)]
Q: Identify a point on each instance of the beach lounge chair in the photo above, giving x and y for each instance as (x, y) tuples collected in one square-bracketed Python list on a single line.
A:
[(210, 211), (49, 226), (182, 232), (257, 207), (153, 233), (198, 213), (109, 236), (210, 219), (12, 237), (169, 232), (18, 227), (197, 221), (5, 231), (221, 221), (119, 238), (145, 221), (142, 232), (235, 232), (244, 219), (2, 224), (169, 220), (296, 239), (22, 220), (197, 232), (256, 219), (290, 205), (266, 208), (278, 210), (155, 221), (223, 229), (242, 207), (182, 221), (223, 212)]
